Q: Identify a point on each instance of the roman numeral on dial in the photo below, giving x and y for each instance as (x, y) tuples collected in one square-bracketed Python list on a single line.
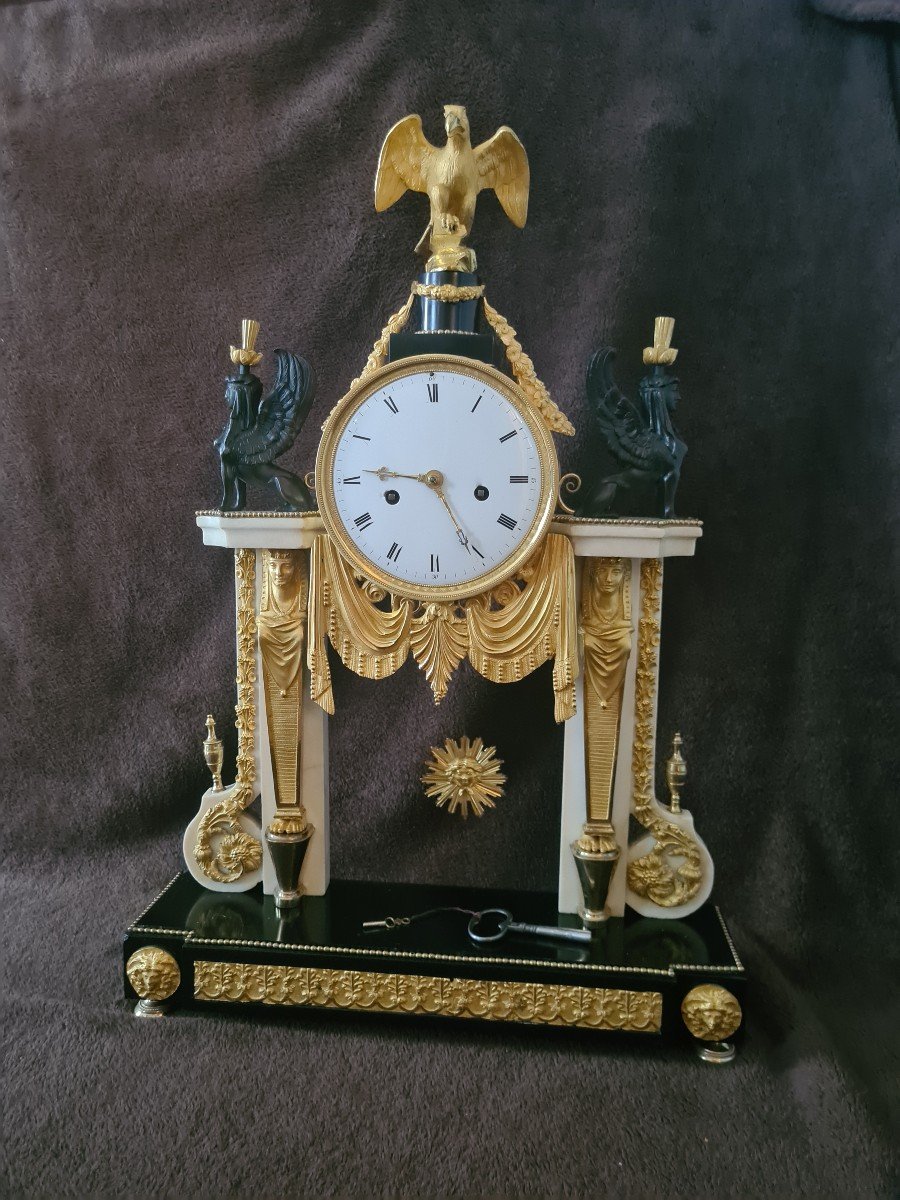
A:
[(432, 393), (390, 403), (512, 433), (394, 552), (363, 521), (435, 563), (518, 479), (351, 479), (506, 521)]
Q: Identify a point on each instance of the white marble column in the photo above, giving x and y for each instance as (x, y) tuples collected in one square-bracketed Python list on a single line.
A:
[(283, 531), (634, 540)]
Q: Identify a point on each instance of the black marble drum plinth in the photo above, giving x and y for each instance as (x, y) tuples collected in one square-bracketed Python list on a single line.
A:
[(235, 951), (448, 326), (446, 316)]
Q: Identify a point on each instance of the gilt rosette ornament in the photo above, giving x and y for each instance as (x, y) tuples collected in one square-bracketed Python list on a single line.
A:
[(464, 775)]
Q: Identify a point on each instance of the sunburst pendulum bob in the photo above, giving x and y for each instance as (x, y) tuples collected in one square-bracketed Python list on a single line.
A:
[(464, 774)]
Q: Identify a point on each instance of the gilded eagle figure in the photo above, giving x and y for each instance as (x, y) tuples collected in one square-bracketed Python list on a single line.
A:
[(451, 176)]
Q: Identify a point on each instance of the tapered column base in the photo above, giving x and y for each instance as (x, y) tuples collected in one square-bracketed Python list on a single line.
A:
[(288, 850), (595, 868)]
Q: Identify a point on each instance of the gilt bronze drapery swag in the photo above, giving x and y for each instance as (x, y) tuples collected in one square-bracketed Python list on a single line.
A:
[(506, 633)]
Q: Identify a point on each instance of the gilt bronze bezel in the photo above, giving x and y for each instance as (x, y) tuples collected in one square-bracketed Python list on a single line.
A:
[(335, 427)]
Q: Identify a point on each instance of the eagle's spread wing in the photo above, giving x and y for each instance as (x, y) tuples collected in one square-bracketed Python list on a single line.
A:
[(402, 163), (503, 165), (281, 414), (625, 432)]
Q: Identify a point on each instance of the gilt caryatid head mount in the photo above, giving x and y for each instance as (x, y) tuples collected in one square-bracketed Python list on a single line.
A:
[(451, 176)]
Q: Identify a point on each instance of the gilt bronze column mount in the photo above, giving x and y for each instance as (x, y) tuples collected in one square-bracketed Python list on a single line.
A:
[(606, 634), (282, 626)]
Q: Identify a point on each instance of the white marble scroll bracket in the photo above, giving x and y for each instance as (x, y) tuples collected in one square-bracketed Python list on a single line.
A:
[(645, 845), (248, 824)]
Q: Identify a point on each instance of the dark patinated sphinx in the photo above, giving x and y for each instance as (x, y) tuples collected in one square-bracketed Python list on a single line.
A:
[(640, 437), (256, 433)]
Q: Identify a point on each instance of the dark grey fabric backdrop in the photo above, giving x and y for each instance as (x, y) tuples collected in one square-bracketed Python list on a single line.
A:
[(169, 168)]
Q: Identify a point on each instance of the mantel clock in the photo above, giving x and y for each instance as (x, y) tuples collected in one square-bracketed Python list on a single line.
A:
[(440, 530)]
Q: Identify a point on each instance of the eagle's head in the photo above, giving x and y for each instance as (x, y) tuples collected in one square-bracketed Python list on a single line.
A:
[(456, 122)]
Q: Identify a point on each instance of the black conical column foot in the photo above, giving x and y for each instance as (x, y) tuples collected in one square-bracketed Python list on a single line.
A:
[(288, 850)]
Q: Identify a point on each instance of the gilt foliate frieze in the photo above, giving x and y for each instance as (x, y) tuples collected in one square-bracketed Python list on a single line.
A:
[(530, 1003)]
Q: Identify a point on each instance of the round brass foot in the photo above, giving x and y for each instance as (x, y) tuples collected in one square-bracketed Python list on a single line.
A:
[(150, 1008), (716, 1052)]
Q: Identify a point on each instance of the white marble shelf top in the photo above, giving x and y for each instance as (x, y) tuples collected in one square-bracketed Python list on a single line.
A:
[(260, 530), (626, 537), (630, 537)]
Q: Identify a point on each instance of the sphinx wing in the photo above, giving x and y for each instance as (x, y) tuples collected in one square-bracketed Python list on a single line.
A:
[(402, 163), (281, 414), (624, 430), (503, 165)]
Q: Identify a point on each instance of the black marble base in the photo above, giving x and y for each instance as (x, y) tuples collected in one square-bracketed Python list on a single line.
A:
[(235, 949)]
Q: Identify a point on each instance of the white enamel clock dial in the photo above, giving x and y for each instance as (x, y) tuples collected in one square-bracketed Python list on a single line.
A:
[(434, 478)]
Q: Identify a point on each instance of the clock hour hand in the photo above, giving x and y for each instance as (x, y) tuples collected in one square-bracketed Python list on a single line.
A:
[(384, 475)]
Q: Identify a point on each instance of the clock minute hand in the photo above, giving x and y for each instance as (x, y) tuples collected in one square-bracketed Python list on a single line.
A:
[(434, 479)]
